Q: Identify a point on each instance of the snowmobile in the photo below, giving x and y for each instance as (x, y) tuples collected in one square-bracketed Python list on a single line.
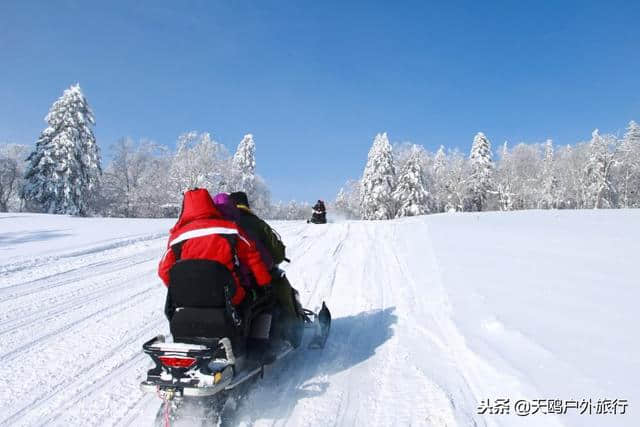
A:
[(214, 347), (318, 217)]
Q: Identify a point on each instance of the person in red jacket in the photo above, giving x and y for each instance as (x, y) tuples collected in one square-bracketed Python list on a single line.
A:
[(201, 233)]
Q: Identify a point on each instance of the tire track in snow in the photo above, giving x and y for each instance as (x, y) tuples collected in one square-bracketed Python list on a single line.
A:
[(364, 385), (23, 283), (83, 303), (86, 378), (313, 247), (145, 407), (123, 369), (478, 377), (122, 375), (304, 373), (351, 382), (30, 264), (434, 407), (70, 300), (337, 374), (21, 290), (109, 311)]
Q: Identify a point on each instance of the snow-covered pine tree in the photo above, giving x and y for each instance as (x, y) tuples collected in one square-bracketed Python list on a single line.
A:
[(549, 182), (411, 195), (598, 186), (481, 180), (244, 177), (439, 173), (504, 179), (629, 170), (244, 165), (440, 161), (378, 181), (64, 169)]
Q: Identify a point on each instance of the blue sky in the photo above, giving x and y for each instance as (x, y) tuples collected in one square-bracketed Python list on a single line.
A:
[(315, 81)]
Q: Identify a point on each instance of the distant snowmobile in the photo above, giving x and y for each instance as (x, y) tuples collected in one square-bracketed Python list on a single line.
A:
[(212, 350), (319, 215)]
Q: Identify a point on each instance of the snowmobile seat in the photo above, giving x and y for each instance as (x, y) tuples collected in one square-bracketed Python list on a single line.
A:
[(189, 322), (197, 307), (199, 283), (196, 301)]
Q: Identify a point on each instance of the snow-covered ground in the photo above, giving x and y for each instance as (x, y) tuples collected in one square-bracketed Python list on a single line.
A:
[(432, 316)]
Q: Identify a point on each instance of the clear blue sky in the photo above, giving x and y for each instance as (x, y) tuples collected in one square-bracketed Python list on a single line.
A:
[(314, 81)]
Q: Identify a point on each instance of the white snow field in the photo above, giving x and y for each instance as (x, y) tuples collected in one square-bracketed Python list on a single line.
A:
[(432, 316)]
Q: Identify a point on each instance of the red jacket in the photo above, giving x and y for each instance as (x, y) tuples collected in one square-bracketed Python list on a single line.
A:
[(202, 230)]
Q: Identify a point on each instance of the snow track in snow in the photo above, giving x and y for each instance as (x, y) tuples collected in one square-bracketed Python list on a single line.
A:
[(368, 362), (424, 327), (71, 328)]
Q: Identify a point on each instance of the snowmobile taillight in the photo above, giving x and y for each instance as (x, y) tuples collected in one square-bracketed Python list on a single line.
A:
[(177, 362)]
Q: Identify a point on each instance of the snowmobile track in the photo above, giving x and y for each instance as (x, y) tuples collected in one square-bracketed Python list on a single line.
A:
[(413, 340)]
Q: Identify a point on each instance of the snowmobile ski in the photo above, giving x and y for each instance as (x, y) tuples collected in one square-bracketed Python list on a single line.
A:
[(323, 326)]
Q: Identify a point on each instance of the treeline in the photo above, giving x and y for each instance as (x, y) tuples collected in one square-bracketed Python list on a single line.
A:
[(63, 174), (407, 180)]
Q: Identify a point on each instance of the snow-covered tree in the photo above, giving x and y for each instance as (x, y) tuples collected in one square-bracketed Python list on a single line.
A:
[(604, 172), (199, 162), (549, 182), (347, 202), (378, 181), (260, 198), (438, 173), (292, 210), (526, 160), (244, 165), (505, 176), (9, 179), (12, 167), (481, 179), (599, 189), (411, 195), (440, 161), (135, 182), (456, 183), (298, 210), (244, 176), (629, 167), (570, 164), (64, 170)]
